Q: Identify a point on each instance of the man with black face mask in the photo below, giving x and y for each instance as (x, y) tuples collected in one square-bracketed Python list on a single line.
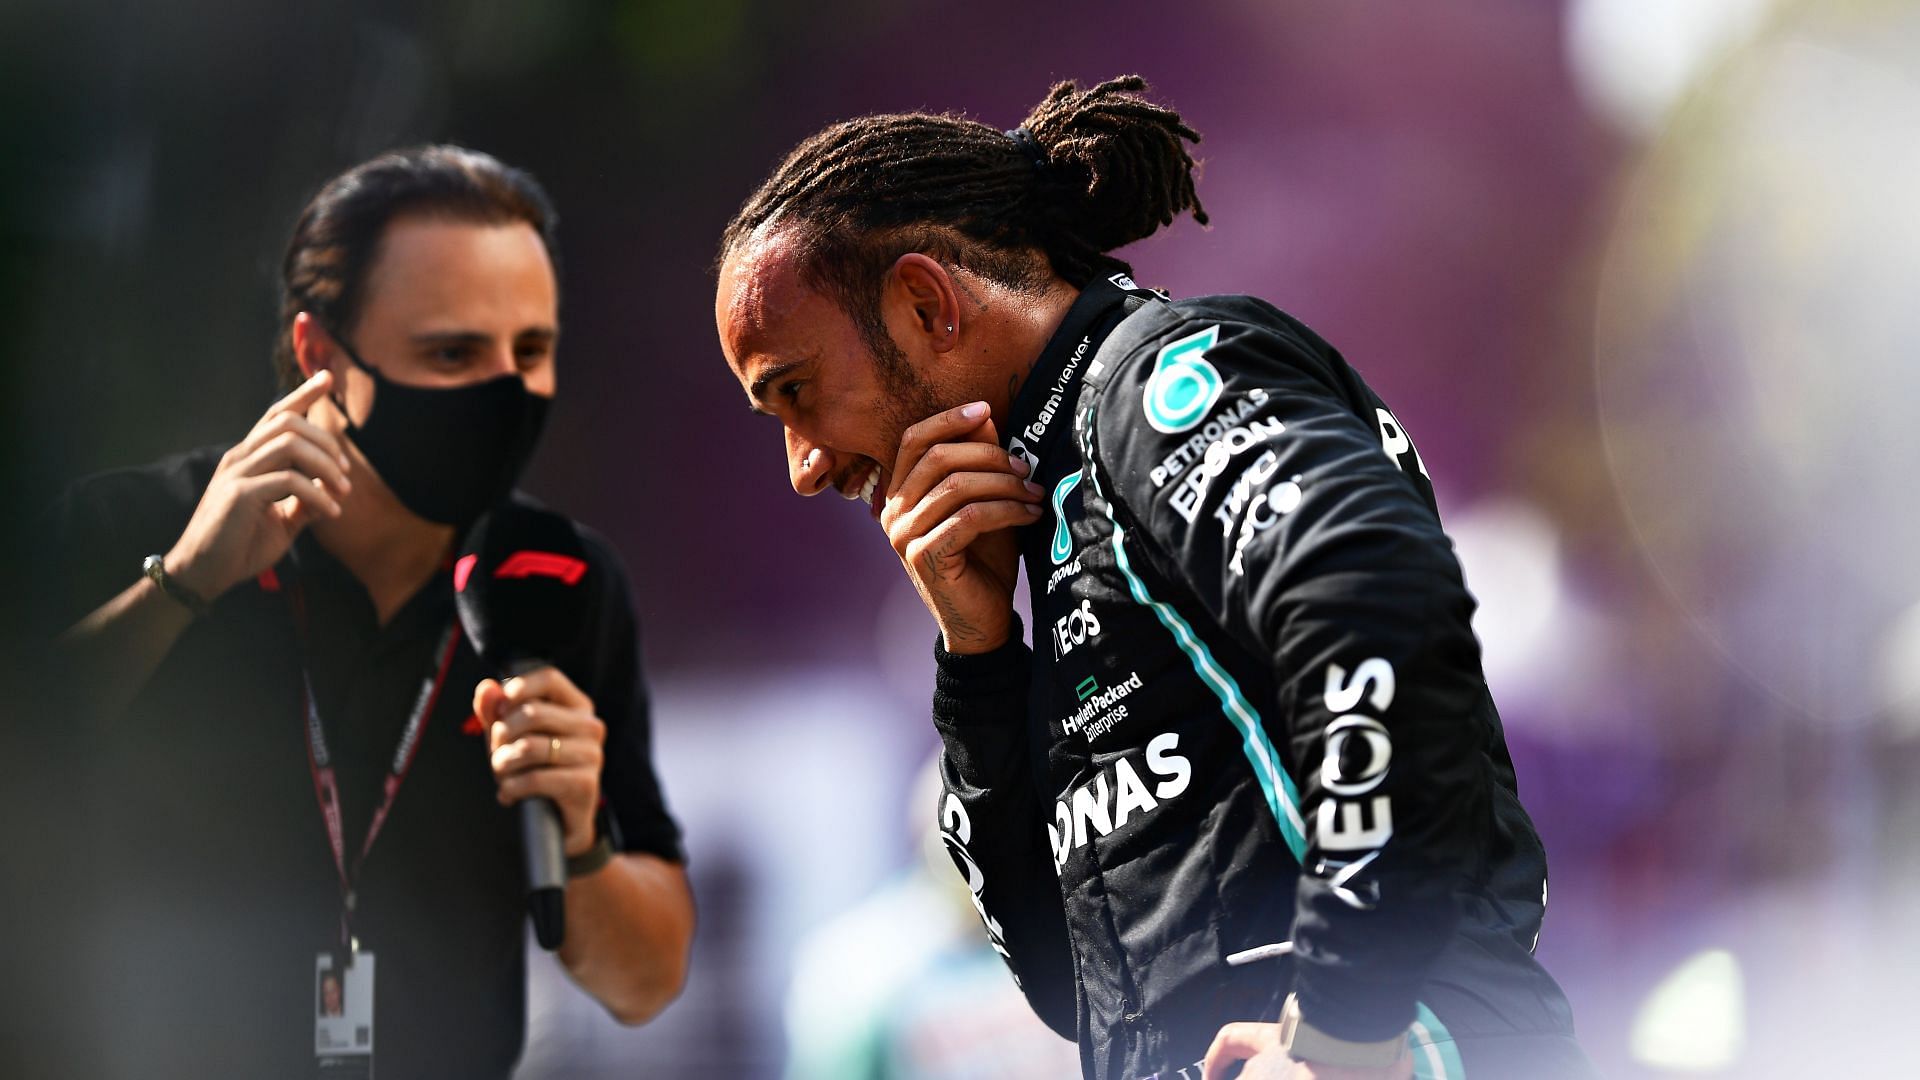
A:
[(319, 777)]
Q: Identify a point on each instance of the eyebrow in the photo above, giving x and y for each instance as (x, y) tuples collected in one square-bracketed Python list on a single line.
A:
[(475, 337), (758, 392)]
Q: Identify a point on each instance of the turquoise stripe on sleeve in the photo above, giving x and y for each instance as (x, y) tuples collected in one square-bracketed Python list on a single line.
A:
[(1282, 798), (1435, 1057)]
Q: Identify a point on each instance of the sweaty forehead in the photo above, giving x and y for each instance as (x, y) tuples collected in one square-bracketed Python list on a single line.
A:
[(760, 289)]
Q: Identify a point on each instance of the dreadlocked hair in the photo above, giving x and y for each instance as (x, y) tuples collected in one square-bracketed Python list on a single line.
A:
[(1106, 168)]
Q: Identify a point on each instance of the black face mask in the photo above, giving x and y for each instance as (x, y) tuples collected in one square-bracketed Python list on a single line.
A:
[(449, 453)]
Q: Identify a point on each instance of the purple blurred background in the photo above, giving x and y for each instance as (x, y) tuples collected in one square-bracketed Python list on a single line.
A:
[(1630, 271)]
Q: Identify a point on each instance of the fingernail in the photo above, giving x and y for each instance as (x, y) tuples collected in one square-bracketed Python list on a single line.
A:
[(1033, 509), (1020, 466), (975, 411), (1035, 488)]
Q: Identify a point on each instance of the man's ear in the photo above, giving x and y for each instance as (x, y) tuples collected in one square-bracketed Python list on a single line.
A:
[(921, 300), (313, 347)]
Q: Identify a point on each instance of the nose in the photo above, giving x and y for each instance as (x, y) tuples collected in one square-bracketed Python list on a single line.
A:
[(809, 467), (500, 360), (539, 378)]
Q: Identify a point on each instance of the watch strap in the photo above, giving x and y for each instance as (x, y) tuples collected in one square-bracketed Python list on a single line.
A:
[(1304, 1042), (154, 567), (595, 857)]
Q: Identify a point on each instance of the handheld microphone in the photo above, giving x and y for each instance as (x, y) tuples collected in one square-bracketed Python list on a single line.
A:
[(517, 587)]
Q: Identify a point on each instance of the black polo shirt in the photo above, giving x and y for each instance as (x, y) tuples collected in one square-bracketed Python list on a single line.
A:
[(222, 887)]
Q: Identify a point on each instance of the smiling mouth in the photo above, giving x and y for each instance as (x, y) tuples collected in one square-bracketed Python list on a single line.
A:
[(866, 491)]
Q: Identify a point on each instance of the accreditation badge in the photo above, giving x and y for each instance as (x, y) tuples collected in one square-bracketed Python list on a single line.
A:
[(343, 1015)]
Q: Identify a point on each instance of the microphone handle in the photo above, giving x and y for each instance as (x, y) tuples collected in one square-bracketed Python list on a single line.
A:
[(541, 836), (543, 844)]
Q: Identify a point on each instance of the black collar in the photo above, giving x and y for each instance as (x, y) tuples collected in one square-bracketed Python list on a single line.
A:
[(1044, 406)]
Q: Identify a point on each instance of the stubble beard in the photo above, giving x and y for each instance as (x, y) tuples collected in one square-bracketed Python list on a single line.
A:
[(910, 398)]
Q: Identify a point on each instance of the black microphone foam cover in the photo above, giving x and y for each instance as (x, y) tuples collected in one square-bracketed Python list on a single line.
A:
[(523, 589)]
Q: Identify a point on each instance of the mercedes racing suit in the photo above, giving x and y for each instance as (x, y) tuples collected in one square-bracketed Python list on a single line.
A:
[(1253, 712)]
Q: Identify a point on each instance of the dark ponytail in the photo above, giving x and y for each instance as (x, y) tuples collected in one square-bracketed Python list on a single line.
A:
[(1120, 166), (1088, 172)]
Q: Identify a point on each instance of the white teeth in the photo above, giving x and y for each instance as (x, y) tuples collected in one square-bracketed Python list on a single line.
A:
[(864, 492)]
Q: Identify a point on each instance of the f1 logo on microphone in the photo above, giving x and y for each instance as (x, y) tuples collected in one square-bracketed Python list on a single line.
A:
[(524, 564)]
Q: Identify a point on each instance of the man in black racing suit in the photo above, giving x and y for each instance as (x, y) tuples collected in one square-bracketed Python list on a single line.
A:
[(1246, 796), (1251, 655)]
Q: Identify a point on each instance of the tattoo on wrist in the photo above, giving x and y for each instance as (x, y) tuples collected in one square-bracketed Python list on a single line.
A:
[(957, 627)]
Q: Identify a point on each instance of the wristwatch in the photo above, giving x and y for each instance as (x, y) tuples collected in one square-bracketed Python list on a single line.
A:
[(1304, 1042), (601, 853), (155, 569), (595, 857)]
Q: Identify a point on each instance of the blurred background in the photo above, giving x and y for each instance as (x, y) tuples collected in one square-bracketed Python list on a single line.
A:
[(1634, 273)]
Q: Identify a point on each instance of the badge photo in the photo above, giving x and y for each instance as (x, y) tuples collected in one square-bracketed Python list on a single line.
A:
[(343, 1016)]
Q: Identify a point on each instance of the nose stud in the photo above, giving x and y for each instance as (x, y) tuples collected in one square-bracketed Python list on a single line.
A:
[(812, 456)]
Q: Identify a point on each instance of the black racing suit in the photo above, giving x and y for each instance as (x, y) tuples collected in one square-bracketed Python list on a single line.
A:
[(1253, 712)]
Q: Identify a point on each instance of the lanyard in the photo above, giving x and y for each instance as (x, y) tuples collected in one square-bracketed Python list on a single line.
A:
[(326, 786)]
